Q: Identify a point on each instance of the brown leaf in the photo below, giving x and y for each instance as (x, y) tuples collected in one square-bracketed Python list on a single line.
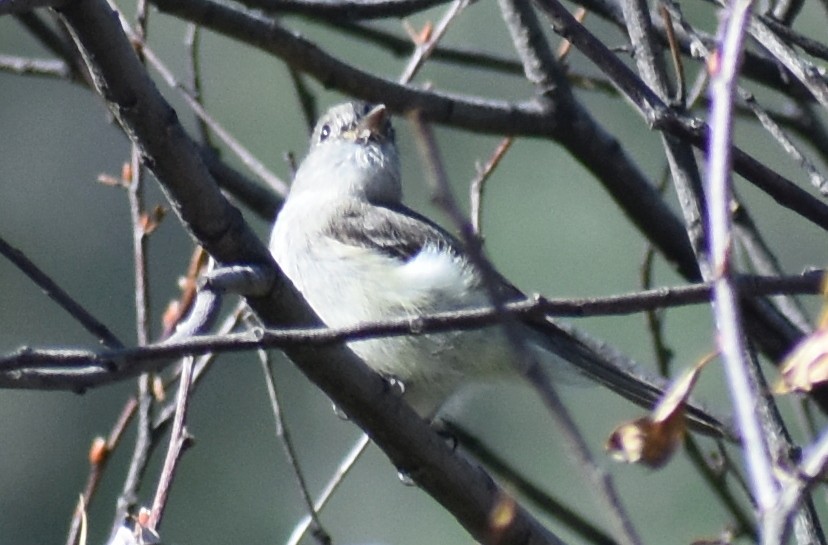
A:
[(679, 390), (653, 439), (648, 442), (806, 366)]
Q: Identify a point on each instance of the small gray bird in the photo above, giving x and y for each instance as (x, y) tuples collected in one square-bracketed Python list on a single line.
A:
[(356, 253)]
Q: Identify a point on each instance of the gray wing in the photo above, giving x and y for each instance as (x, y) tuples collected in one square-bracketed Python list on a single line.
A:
[(395, 231), (401, 233)]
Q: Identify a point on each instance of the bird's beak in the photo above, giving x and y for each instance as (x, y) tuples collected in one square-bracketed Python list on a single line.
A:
[(373, 124)]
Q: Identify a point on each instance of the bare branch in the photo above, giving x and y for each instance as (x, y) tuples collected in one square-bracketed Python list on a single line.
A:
[(36, 67), (284, 437), (461, 488), (17, 6), (336, 479), (345, 9), (59, 296), (726, 307), (179, 440), (80, 369)]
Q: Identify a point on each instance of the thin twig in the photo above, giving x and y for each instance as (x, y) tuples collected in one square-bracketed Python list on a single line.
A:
[(59, 296), (143, 439), (565, 47), (335, 481), (78, 369), (479, 183), (554, 507), (423, 50), (96, 469), (139, 247), (675, 56), (144, 443), (577, 448), (400, 46), (344, 9), (814, 462), (802, 69), (35, 67), (192, 43), (179, 440), (726, 308), (54, 42), (307, 100), (166, 413), (249, 160), (716, 481), (680, 158), (282, 433), (787, 33), (818, 180), (654, 318), (764, 262)]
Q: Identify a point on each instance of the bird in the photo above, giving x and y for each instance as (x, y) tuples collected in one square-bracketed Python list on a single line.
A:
[(356, 253)]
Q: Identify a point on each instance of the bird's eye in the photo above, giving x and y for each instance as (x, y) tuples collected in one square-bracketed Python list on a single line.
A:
[(324, 133), (366, 108)]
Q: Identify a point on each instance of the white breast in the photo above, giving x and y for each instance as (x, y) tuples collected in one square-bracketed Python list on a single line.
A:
[(346, 284)]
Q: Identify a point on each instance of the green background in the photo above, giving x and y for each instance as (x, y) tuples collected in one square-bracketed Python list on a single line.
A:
[(549, 227)]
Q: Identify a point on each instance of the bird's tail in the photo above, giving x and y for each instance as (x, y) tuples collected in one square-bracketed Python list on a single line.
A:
[(603, 364)]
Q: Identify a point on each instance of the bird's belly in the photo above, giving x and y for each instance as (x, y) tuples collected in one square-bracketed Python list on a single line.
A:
[(369, 288)]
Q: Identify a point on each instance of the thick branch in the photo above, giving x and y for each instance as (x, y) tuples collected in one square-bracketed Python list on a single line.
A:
[(465, 490)]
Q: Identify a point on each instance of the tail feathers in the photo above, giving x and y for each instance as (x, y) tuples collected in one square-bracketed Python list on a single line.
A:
[(603, 364)]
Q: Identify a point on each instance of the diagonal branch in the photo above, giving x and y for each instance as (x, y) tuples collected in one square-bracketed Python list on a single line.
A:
[(464, 490)]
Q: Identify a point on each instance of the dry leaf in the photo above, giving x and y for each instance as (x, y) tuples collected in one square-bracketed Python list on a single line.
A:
[(647, 442), (653, 439), (806, 366)]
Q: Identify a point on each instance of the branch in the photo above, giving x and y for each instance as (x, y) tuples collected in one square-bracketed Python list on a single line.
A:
[(683, 167), (569, 123), (464, 490), (38, 67), (19, 6), (345, 9), (726, 307), (81, 369), (59, 296)]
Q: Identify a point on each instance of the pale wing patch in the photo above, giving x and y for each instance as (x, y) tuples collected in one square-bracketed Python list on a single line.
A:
[(438, 279)]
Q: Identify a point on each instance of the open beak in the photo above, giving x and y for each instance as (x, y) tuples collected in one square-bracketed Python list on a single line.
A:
[(374, 123)]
